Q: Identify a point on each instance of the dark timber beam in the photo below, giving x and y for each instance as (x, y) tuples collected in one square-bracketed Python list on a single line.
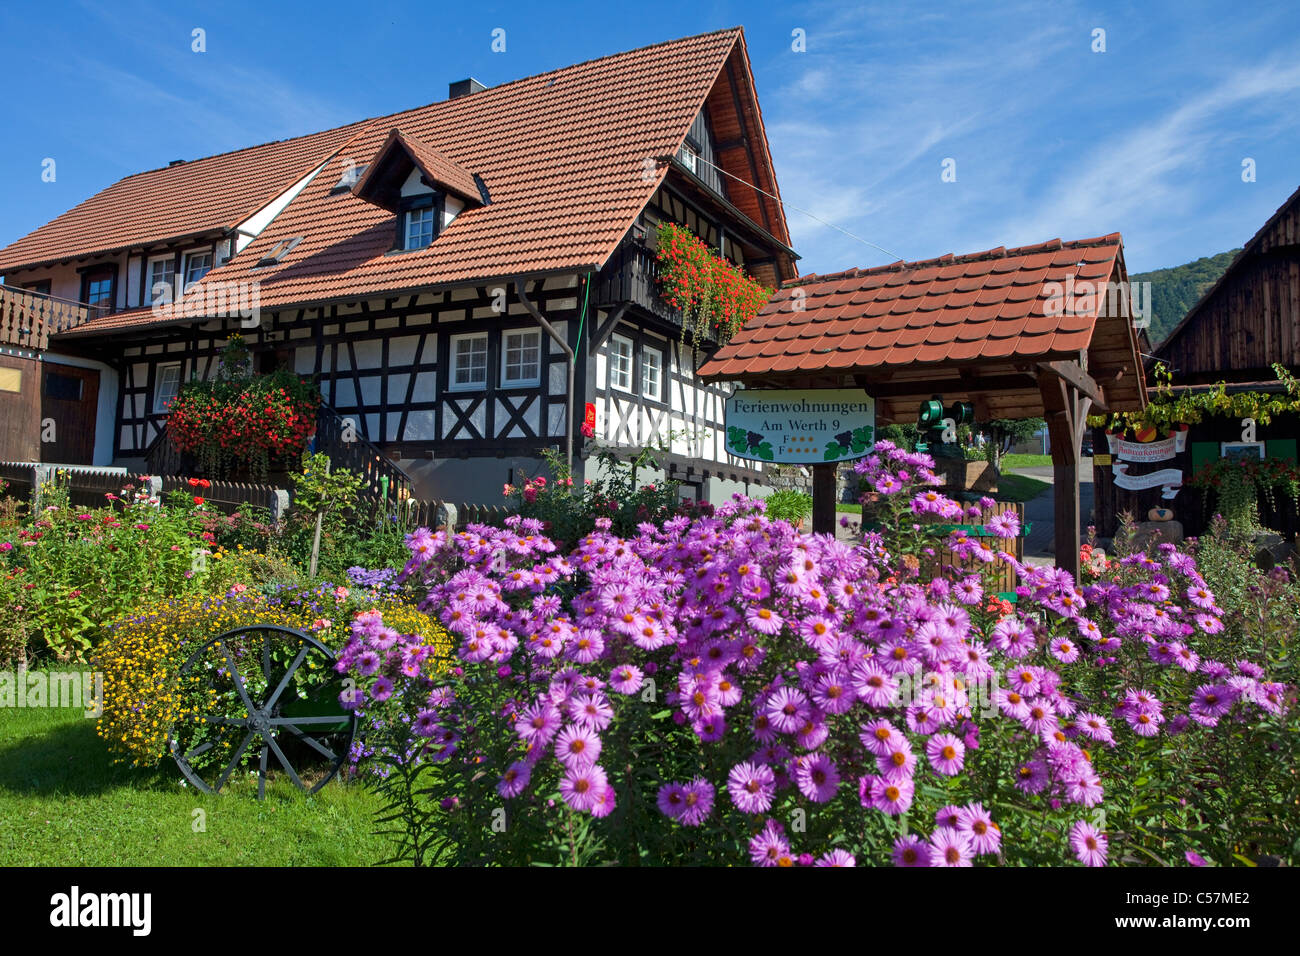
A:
[(606, 328), (823, 489)]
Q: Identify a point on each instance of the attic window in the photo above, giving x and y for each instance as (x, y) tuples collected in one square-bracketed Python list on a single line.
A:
[(278, 252), (688, 157), (351, 176)]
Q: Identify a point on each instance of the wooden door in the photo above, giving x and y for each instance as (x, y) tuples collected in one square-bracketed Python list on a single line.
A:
[(69, 403)]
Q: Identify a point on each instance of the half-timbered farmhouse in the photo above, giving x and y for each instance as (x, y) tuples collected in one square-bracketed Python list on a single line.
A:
[(463, 278)]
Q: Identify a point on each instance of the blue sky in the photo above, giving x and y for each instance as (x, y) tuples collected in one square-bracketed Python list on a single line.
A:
[(1048, 137)]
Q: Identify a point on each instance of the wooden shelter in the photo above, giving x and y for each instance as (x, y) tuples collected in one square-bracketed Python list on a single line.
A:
[(1041, 330)]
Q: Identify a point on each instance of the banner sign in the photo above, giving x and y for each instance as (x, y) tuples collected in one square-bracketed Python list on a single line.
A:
[(1169, 480), (1138, 451), (802, 427)]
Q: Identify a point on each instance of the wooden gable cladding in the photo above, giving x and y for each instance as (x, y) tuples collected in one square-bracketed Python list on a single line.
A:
[(742, 149), (1250, 318)]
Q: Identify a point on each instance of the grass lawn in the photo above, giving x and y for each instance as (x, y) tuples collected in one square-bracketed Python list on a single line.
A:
[(1019, 487), (1024, 461), (63, 802)]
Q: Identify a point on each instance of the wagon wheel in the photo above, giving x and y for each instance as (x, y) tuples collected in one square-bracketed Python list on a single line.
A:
[(242, 688)]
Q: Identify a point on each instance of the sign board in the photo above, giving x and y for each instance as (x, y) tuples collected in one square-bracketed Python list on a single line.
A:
[(1149, 450), (1168, 480), (800, 426)]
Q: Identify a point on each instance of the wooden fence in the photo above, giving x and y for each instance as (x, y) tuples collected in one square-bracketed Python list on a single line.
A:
[(90, 487)]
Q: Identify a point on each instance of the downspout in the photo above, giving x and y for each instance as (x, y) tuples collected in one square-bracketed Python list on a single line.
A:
[(568, 384)]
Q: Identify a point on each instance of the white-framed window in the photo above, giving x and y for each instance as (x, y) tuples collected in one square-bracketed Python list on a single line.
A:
[(521, 357), (419, 227), (197, 265), (652, 374), (169, 386), (688, 157), (161, 271), (620, 363), (469, 361)]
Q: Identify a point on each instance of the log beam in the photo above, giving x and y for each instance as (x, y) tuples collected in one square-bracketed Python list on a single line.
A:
[(823, 489)]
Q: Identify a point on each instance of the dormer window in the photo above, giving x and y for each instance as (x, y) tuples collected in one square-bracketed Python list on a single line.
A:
[(425, 188), (420, 228)]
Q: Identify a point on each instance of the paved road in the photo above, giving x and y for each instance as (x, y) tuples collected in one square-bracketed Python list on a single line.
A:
[(1041, 543)]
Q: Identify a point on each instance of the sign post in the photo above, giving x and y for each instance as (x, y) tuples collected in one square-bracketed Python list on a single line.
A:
[(818, 427)]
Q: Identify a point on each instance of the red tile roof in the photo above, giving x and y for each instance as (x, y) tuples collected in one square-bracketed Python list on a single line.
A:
[(988, 305), (562, 155), (204, 195)]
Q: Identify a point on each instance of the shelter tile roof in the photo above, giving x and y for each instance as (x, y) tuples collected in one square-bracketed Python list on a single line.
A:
[(987, 305)]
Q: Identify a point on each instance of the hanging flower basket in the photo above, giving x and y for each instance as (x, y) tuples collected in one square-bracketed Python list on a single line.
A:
[(715, 297), (241, 424)]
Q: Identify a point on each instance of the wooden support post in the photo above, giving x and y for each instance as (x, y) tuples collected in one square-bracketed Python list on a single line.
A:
[(1066, 412), (823, 516)]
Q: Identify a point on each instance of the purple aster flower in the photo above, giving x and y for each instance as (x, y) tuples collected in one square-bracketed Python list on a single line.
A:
[(577, 746), (817, 777), (381, 689), (787, 709), (515, 779), (751, 787), (1089, 844), (911, 850), (697, 800), (769, 847), (425, 723)]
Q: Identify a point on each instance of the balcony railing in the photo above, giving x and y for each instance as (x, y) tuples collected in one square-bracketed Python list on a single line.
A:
[(28, 319), (632, 275)]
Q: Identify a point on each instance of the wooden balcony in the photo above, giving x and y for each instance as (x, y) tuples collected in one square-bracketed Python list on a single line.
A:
[(632, 275), (28, 319)]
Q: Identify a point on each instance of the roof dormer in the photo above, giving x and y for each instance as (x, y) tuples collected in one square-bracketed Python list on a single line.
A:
[(424, 187)]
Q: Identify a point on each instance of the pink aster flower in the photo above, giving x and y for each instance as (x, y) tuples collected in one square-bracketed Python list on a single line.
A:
[(950, 847), (763, 619), (577, 746), (978, 825), (893, 797), (836, 858), (946, 754), (626, 679), (538, 723), (1089, 844), (583, 788), (787, 709)]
